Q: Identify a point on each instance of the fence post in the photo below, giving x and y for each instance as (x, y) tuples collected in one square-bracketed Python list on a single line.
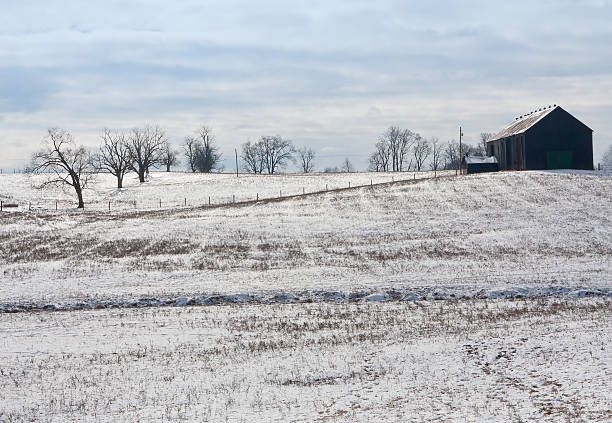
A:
[(185, 202), (303, 190), (1, 202), (233, 198), (55, 205), (257, 196), (109, 206), (209, 200), (325, 187), (160, 203), (280, 193), (370, 182), (393, 179), (349, 184)]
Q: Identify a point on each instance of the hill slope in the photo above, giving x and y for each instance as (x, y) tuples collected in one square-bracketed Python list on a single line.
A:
[(504, 229)]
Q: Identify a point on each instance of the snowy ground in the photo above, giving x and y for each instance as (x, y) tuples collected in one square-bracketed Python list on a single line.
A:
[(475, 360), (504, 230), (175, 189), (484, 297)]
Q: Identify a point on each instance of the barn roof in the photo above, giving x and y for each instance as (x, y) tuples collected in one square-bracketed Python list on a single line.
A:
[(523, 123)]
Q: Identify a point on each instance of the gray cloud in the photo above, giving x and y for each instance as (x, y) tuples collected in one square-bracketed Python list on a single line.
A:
[(332, 75)]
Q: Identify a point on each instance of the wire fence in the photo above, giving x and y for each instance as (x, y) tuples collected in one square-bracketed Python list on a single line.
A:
[(165, 203)]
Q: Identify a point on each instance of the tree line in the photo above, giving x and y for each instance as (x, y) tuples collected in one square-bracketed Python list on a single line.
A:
[(141, 149), (400, 149)]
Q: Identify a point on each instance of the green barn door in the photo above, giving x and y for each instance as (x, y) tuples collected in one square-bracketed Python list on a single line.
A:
[(558, 159)]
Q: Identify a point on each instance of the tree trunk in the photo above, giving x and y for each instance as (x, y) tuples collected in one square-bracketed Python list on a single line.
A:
[(167, 167), (80, 197), (119, 182), (141, 175)]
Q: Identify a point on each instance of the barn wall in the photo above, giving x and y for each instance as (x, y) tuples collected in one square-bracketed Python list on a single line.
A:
[(559, 141)]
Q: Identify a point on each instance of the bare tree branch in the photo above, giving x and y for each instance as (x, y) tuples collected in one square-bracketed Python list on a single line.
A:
[(65, 163), (305, 158), (114, 155), (270, 153), (146, 147), (421, 151)]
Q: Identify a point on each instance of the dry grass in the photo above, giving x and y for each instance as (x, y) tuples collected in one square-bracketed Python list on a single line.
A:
[(351, 362)]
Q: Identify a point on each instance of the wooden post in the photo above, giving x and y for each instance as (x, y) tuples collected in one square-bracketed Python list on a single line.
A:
[(185, 202), (349, 184), (233, 198), (160, 203), (303, 190), (257, 196), (460, 152), (371, 182), (325, 187), (109, 206), (209, 200), (1, 202), (236, 150), (55, 205), (280, 193)]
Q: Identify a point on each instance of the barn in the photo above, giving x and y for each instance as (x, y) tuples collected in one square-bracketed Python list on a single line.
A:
[(547, 138)]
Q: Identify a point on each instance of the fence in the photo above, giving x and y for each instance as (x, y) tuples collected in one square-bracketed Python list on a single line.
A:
[(152, 203)]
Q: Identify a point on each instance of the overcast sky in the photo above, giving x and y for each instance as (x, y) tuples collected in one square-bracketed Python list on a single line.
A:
[(330, 75)]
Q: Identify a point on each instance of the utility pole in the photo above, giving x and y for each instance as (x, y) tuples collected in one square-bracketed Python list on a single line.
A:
[(460, 152), (236, 151)]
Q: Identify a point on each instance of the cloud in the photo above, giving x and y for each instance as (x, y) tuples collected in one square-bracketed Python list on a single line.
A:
[(326, 74)]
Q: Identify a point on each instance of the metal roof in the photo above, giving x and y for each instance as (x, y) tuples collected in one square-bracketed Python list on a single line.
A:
[(523, 123), (480, 159)]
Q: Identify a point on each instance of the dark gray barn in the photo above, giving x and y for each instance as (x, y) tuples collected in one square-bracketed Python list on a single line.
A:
[(548, 138), (478, 164)]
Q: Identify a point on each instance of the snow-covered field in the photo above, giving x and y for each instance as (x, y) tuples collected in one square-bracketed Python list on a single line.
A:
[(499, 230), (471, 298), (168, 190), (473, 360)]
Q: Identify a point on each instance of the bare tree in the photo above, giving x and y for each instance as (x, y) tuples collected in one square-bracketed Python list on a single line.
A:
[(114, 155), (450, 155), (406, 139), (392, 150), (277, 152), (169, 157), (421, 151), (379, 160), (305, 159), (436, 154), (191, 146), (65, 163), (606, 159), (270, 153), (146, 147), (207, 157), (252, 157), (347, 166), (484, 137)]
